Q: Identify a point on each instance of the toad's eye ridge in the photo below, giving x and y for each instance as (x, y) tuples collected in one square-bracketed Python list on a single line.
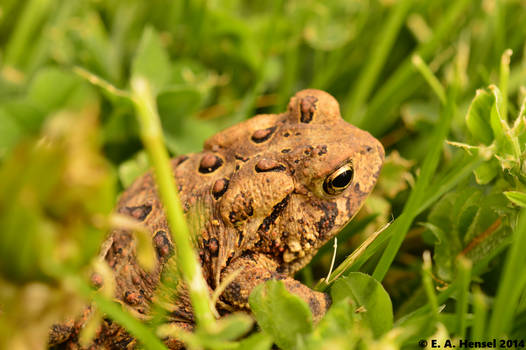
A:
[(339, 180)]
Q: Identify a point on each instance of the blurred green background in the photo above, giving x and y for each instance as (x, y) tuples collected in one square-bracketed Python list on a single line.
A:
[(222, 62), (232, 59)]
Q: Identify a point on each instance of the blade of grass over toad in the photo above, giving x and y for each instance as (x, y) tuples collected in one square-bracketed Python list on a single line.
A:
[(345, 265), (378, 117), (360, 91), (348, 231), (152, 137), (417, 195), (510, 286)]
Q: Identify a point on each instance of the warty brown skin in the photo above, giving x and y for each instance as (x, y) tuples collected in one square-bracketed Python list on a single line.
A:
[(255, 197)]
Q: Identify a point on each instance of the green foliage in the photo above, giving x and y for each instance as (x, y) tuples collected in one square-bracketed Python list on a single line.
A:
[(369, 297), (479, 230), (502, 145), (151, 62), (516, 197), (281, 314), (222, 336), (75, 74), (477, 119), (361, 313), (57, 194), (57, 226)]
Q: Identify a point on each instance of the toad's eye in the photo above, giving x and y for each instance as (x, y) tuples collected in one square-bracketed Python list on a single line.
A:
[(339, 180)]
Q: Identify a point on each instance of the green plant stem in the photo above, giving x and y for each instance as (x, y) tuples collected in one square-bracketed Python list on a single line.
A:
[(510, 286), (417, 196), (152, 137), (498, 20), (360, 91), (428, 285), (503, 82), (480, 310), (464, 267), (423, 310), (430, 78)]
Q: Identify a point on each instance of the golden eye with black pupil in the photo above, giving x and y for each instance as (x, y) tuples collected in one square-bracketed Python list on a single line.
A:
[(339, 180)]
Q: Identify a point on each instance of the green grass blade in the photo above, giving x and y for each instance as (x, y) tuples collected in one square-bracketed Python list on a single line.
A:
[(510, 286), (431, 79), (21, 40), (378, 119), (360, 91), (417, 195), (480, 311), (152, 137), (459, 171), (464, 267), (503, 81), (429, 287)]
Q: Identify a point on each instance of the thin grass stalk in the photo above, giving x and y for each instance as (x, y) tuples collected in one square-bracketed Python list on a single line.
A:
[(429, 286), (510, 287), (503, 82), (417, 195), (425, 309), (360, 91), (430, 78), (453, 177), (151, 135), (464, 267), (480, 311), (377, 118), (23, 35)]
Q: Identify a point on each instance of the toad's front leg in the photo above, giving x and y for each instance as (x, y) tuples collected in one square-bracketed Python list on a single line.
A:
[(257, 268)]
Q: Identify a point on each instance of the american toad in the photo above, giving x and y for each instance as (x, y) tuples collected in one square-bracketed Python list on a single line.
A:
[(263, 197)]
